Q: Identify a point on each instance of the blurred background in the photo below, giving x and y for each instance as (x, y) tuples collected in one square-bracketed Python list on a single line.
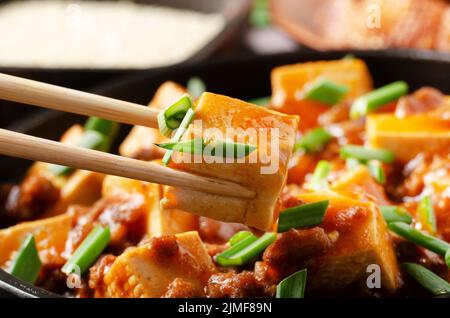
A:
[(84, 44)]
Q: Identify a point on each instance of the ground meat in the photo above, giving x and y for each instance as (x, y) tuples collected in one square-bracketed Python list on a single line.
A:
[(235, 285), (212, 231), (180, 288), (125, 216), (288, 198), (288, 253), (348, 132), (423, 100), (164, 248), (52, 279), (98, 272), (26, 201), (337, 113)]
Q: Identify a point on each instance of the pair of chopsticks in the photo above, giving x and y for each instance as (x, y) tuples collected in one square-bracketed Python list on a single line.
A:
[(68, 100)]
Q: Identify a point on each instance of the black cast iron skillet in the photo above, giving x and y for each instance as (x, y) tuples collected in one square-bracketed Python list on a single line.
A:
[(243, 77)]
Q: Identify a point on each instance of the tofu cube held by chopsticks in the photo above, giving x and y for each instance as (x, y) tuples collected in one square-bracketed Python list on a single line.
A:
[(218, 113)]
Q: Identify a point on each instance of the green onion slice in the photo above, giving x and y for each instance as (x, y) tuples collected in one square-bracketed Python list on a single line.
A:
[(324, 91), (427, 278), (26, 264), (245, 250), (293, 286), (88, 252), (193, 146), (179, 133), (314, 141), (376, 170), (378, 98), (319, 177), (420, 238), (349, 57), (365, 154), (447, 258), (226, 149), (260, 15), (352, 163), (218, 148), (90, 139), (306, 215), (426, 216), (239, 236), (172, 116), (196, 86), (261, 101), (105, 127), (395, 214)]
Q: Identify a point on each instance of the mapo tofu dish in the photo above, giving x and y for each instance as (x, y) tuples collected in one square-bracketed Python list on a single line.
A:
[(351, 188)]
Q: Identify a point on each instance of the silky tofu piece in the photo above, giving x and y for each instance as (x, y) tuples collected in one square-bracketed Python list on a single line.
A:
[(50, 235), (139, 143), (408, 136), (82, 187), (159, 221), (288, 79), (359, 181), (147, 270), (363, 239), (218, 113)]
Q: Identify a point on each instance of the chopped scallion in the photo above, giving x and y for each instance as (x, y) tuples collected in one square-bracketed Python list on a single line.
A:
[(319, 177), (306, 215), (98, 134), (26, 263), (245, 250), (425, 215), (193, 146), (217, 148), (378, 98), (324, 91), (395, 214), (260, 15), (239, 236), (427, 278), (88, 251), (228, 149), (179, 133), (105, 127), (262, 101), (376, 170), (420, 238), (90, 139), (352, 163), (365, 154), (314, 141), (196, 86), (292, 286), (172, 116)]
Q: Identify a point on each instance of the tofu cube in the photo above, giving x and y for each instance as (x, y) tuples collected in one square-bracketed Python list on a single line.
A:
[(289, 79), (149, 269), (50, 235), (217, 114), (362, 239), (408, 136)]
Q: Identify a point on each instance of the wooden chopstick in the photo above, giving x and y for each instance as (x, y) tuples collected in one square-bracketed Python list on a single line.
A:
[(35, 93), (38, 149)]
